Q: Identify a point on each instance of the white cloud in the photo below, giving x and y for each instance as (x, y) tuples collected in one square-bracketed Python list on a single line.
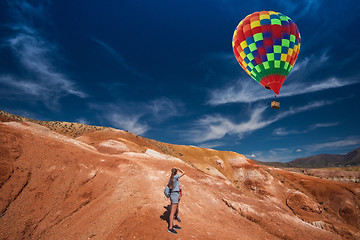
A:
[(26, 87), (323, 125), (300, 9), (303, 88), (334, 145), (311, 7), (82, 120), (23, 11), (247, 91), (163, 108), (307, 107), (213, 127), (305, 10), (128, 122), (275, 155), (42, 79), (120, 59), (284, 131), (310, 63), (292, 153), (211, 145), (217, 126), (139, 118), (243, 91)]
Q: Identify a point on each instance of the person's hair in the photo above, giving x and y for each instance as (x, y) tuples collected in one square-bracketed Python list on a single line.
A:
[(173, 173)]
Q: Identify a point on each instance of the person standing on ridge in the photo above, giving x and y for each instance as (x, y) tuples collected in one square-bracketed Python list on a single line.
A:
[(174, 186)]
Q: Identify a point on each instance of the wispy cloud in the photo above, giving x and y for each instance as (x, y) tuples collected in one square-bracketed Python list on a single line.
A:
[(274, 155), (302, 88), (284, 131), (335, 145), (211, 145), (42, 78), (129, 122), (246, 90), (213, 127), (82, 120), (300, 9), (288, 154), (310, 63), (139, 118), (164, 108), (323, 125), (121, 59), (310, 6)]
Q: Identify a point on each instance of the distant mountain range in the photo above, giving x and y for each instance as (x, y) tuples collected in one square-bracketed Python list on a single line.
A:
[(350, 159)]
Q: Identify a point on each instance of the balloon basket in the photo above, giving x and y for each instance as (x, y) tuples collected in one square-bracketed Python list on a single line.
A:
[(275, 104)]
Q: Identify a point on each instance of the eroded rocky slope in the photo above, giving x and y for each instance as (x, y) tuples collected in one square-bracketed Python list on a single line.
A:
[(101, 183)]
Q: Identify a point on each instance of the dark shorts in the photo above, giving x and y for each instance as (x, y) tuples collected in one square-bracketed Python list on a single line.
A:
[(174, 197)]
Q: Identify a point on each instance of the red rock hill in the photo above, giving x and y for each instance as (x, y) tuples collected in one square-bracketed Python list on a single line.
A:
[(73, 181)]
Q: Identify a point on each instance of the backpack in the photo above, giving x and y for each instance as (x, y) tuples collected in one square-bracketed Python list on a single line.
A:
[(167, 192)]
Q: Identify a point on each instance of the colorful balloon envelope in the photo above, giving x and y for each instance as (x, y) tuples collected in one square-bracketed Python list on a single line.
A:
[(267, 44)]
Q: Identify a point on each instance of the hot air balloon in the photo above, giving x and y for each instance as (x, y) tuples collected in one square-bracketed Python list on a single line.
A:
[(266, 44)]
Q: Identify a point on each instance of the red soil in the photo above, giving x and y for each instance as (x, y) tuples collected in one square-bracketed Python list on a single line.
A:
[(104, 183)]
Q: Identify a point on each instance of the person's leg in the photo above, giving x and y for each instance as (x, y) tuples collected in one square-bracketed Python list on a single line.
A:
[(177, 210), (172, 213)]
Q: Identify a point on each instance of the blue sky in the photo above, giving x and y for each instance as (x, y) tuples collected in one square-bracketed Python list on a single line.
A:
[(165, 70)]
